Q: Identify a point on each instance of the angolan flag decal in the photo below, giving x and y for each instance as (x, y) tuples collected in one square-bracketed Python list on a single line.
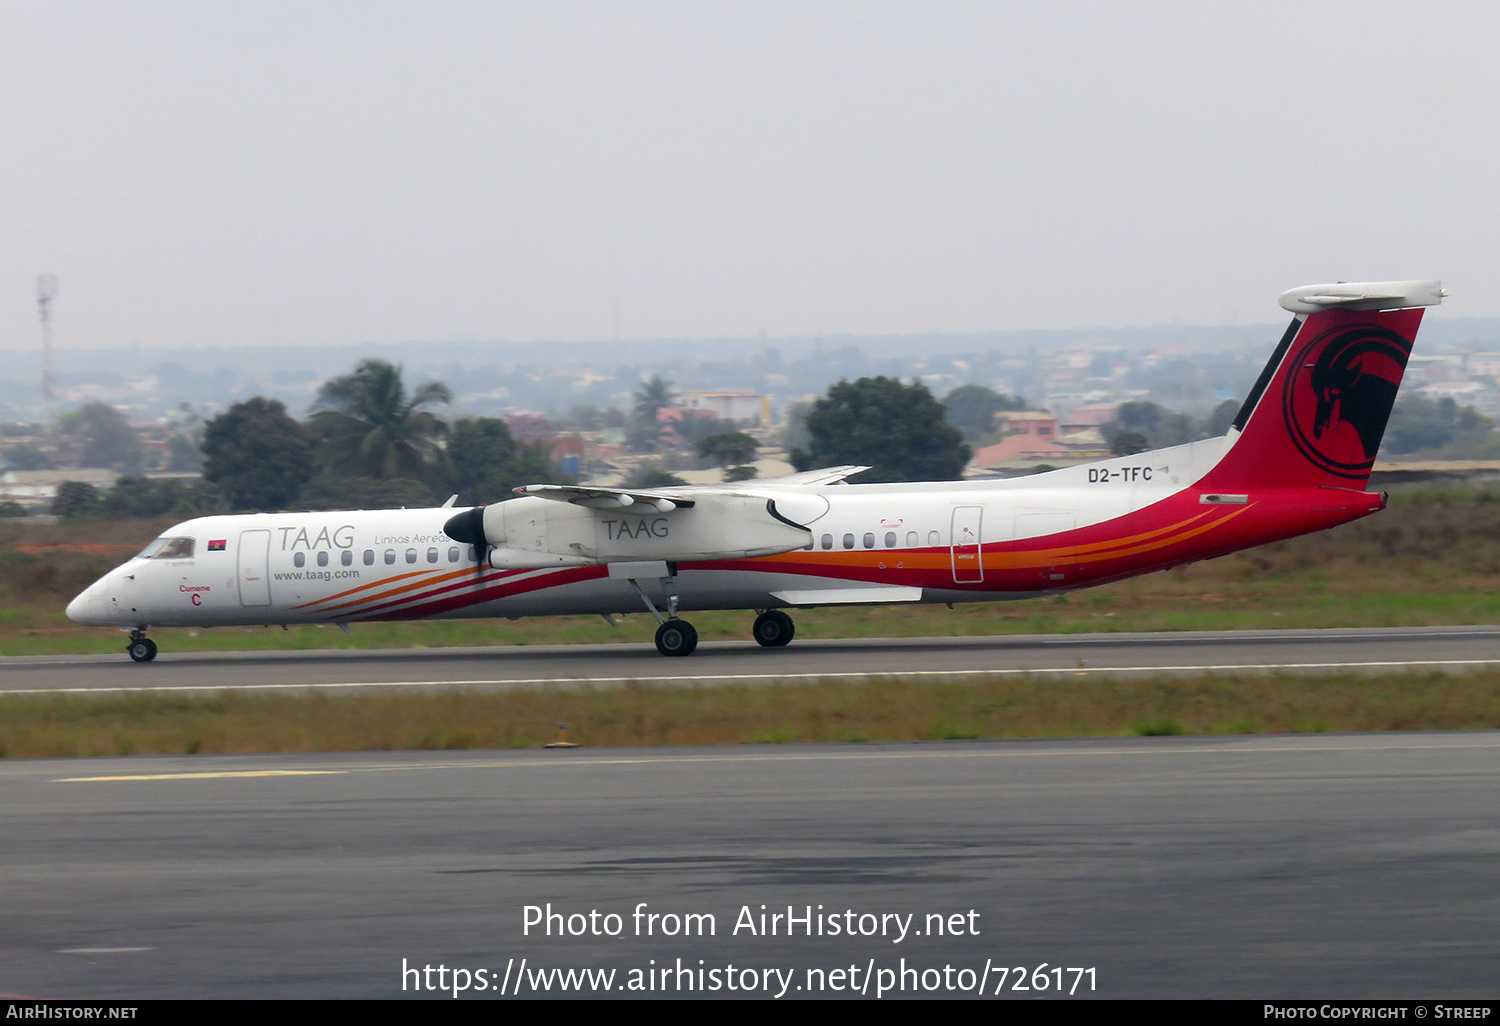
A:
[(217, 544)]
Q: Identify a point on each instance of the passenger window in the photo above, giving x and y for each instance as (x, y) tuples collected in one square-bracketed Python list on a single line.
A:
[(323, 559), (411, 555), (346, 557), (390, 557), (473, 554), (369, 557), (432, 555), (453, 554), (828, 541), (911, 539), (890, 539), (933, 538), (299, 559), (869, 540), (848, 541)]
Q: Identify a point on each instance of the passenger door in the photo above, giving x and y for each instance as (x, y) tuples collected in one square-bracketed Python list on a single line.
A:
[(968, 557), (254, 558)]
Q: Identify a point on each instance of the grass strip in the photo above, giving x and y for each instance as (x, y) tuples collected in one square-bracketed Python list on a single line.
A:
[(889, 709)]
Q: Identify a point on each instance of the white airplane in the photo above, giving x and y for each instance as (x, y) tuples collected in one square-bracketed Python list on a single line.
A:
[(1297, 459)]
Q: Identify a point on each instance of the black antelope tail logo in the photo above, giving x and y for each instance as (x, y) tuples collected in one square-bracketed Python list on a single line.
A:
[(1339, 394)]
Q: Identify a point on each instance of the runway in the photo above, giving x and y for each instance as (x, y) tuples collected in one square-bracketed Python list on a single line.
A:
[(1372, 650), (1312, 866)]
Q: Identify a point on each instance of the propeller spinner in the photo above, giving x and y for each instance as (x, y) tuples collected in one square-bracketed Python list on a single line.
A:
[(467, 528)]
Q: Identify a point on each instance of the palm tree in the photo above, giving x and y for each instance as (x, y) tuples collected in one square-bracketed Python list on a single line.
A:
[(654, 394), (371, 428), (645, 431)]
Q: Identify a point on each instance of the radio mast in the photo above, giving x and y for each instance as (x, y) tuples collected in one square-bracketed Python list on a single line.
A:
[(46, 289)]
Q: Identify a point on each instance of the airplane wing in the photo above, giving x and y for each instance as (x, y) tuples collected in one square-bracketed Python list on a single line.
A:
[(607, 498), (828, 475), (598, 497)]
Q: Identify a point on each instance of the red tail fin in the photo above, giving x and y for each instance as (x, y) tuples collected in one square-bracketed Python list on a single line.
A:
[(1318, 412)]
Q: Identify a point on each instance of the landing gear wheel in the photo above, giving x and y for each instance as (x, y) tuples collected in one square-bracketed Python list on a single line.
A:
[(773, 629), (676, 638), (142, 650)]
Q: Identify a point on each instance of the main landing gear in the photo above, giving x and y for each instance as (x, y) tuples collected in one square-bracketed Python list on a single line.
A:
[(675, 637), (773, 629), (141, 648)]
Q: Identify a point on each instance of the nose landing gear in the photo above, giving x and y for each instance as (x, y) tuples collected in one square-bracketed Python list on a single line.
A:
[(141, 648)]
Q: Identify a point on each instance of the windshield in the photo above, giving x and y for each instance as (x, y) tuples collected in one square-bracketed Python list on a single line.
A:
[(168, 548)]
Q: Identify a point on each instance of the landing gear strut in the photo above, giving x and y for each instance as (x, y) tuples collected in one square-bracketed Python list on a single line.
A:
[(141, 648), (773, 629), (674, 637)]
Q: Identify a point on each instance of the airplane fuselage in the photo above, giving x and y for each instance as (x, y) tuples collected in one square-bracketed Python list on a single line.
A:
[(932, 542)]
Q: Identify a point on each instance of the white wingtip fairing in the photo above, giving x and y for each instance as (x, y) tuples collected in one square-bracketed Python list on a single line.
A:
[(1363, 295)]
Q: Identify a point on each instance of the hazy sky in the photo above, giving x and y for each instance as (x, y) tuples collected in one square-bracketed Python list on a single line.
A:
[(229, 173)]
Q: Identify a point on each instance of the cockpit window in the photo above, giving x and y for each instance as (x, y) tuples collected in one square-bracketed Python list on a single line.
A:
[(168, 548)]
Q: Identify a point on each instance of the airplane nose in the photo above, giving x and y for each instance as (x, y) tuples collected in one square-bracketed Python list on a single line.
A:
[(89, 606)]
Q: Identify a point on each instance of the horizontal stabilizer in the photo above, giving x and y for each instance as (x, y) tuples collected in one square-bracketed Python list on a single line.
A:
[(1363, 295)]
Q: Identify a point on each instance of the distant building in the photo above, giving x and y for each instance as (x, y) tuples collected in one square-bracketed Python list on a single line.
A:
[(40, 486), (1027, 434), (735, 404), (529, 427)]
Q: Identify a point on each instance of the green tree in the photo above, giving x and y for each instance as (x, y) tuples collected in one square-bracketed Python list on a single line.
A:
[(532, 464), (75, 500), (972, 409), (141, 497), (489, 463), (726, 449), (1222, 417), (1128, 443), (479, 451), (1158, 426), (368, 426), (1418, 423), (898, 430), (27, 457), (257, 455), (343, 491), (200, 499), (655, 394), (651, 475), (644, 432)]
